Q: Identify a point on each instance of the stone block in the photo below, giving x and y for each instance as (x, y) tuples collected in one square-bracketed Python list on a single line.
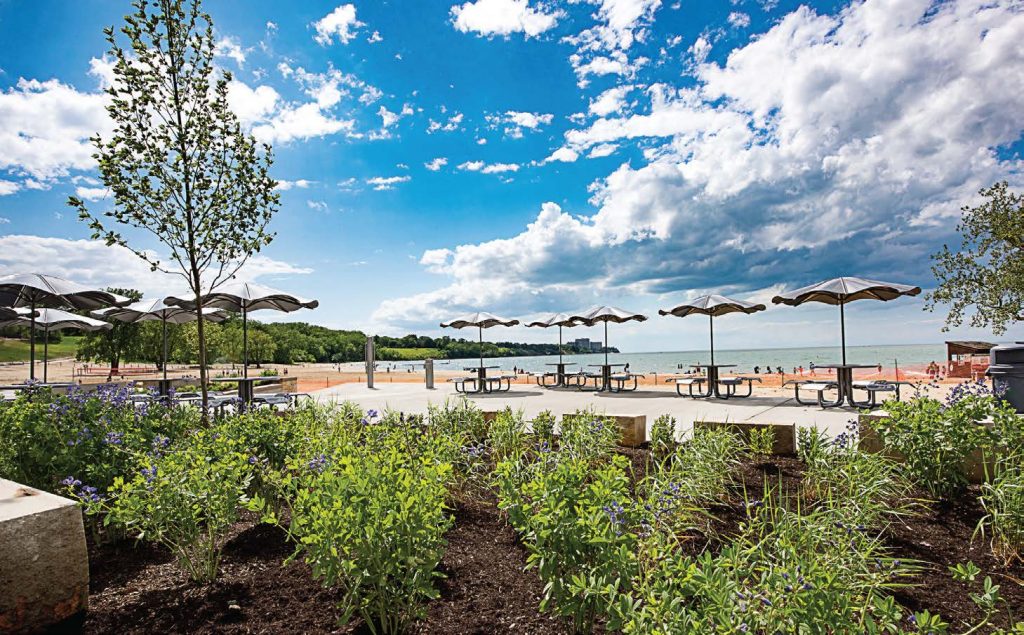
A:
[(44, 565), (785, 433)]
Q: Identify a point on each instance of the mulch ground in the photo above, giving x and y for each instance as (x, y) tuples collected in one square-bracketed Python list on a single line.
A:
[(137, 588)]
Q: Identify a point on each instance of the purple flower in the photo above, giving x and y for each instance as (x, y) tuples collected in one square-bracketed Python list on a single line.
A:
[(113, 438), (318, 464)]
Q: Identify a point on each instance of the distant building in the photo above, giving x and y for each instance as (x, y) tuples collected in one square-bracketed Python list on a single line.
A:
[(585, 344)]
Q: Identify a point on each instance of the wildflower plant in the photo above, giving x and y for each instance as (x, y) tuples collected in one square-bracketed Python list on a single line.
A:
[(663, 436), (1002, 496)]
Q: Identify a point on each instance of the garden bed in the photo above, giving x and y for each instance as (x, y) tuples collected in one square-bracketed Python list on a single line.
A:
[(138, 588)]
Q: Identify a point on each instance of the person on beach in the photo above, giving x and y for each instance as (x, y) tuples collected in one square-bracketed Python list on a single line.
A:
[(757, 370)]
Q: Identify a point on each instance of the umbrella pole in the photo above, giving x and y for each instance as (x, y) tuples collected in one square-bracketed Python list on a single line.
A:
[(164, 320), (481, 329), (245, 342), (606, 342), (559, 343), (32, 342), (46, 351), (711, 321), (842, 328)]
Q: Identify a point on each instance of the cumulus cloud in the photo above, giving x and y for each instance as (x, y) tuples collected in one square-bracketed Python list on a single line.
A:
[(92, 193), (284, 186), (739, 20), (383, 183), (503, 17), (230, 47), (436, 164), (46, 128), (8, 187), (453, 123), (514, 121), (610, 101), (93, 263), (831, 144), (340, 23), (488, 168)]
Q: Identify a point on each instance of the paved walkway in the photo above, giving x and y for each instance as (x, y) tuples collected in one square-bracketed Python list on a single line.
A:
[(532, 399)]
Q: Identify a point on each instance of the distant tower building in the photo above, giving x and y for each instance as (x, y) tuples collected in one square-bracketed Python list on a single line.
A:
[(582, 344), (596, 347)]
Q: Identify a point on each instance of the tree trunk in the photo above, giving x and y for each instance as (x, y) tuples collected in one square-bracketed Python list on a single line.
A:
[(201, 332)]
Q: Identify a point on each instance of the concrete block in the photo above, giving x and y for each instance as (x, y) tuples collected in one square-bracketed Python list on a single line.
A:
[(44, 566), (785, 433)]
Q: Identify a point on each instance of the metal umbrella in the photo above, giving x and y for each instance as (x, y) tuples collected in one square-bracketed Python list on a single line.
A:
[(842, 291), (33, 290), (482, 320), (242, 297), (712, 306), (147, 310), (607, 314), (559, 320), (55, 319)]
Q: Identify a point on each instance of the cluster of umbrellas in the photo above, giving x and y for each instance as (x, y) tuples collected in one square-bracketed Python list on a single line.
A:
[(837, 291), (34, 299)]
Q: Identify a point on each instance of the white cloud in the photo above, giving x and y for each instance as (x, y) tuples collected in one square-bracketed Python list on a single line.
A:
[(341, 22), (8, 187), (563, 155), (602, 150), (739, 20), (93, 263), (610, 101), (228, 46), (700, 49), (382, 183), (46, 128), (830, 144), (252, 104), (452, 124), (503, 17), (488, 168), (284, 186), (374, 38), (4, 221), (318, 206), (92, 193), (436, 164)]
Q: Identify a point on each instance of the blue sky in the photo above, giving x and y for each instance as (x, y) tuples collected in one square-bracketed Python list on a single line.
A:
[(521, 156)]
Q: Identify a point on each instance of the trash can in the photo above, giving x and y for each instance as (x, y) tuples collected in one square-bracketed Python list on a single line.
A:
[(428, 371), (1006, 368)]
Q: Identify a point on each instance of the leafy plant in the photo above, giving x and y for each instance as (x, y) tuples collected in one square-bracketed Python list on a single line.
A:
[(588, 436), (663, 435), (1003, 500), (505, 433), (372, 523), (543, 427), (185, 498), (761, 441)]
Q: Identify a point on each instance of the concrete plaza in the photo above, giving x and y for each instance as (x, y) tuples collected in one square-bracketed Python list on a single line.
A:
[(764, 407)]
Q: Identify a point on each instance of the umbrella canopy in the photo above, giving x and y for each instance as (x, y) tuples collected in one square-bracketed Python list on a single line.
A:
[(842, 291), (40, 290), (607, 314), (481, 320), (556, 319), (243, 297), (712, 306), (9, 315), (54, 320), (157, 309)]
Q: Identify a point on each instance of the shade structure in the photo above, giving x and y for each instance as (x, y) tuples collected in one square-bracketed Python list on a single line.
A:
[(54, 320), (555, 319), (712, 306), (842, 291), (243, 297), (607, 314), (33, 290), (481, 320), (157, 309)]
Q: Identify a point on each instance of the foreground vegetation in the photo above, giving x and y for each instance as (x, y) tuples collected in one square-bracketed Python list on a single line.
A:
[(366, 499)]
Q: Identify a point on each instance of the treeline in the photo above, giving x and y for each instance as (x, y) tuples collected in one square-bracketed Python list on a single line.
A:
[(280, 343)]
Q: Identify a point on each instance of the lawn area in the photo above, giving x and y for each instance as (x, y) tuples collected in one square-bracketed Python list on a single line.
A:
[(402, 354), (12, 350)]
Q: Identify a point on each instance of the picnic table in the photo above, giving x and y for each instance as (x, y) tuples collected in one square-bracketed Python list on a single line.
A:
[(559, 373), (605, 375), (481, 376), (245, 386), (713, 378), (843, 385)]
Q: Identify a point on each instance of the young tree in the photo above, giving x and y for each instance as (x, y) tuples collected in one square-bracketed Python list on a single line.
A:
[(117, 344), (987, 272), (178, 164)]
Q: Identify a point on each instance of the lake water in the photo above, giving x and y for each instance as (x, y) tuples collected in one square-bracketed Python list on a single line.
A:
[(668, 362)]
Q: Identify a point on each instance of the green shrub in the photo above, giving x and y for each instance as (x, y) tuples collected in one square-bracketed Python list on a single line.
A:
[(1003, 499), (761, 441), (543, 427), (934, 438), (372, 524), (505, 434), (588, 436), (185, 497), (663, 435)]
